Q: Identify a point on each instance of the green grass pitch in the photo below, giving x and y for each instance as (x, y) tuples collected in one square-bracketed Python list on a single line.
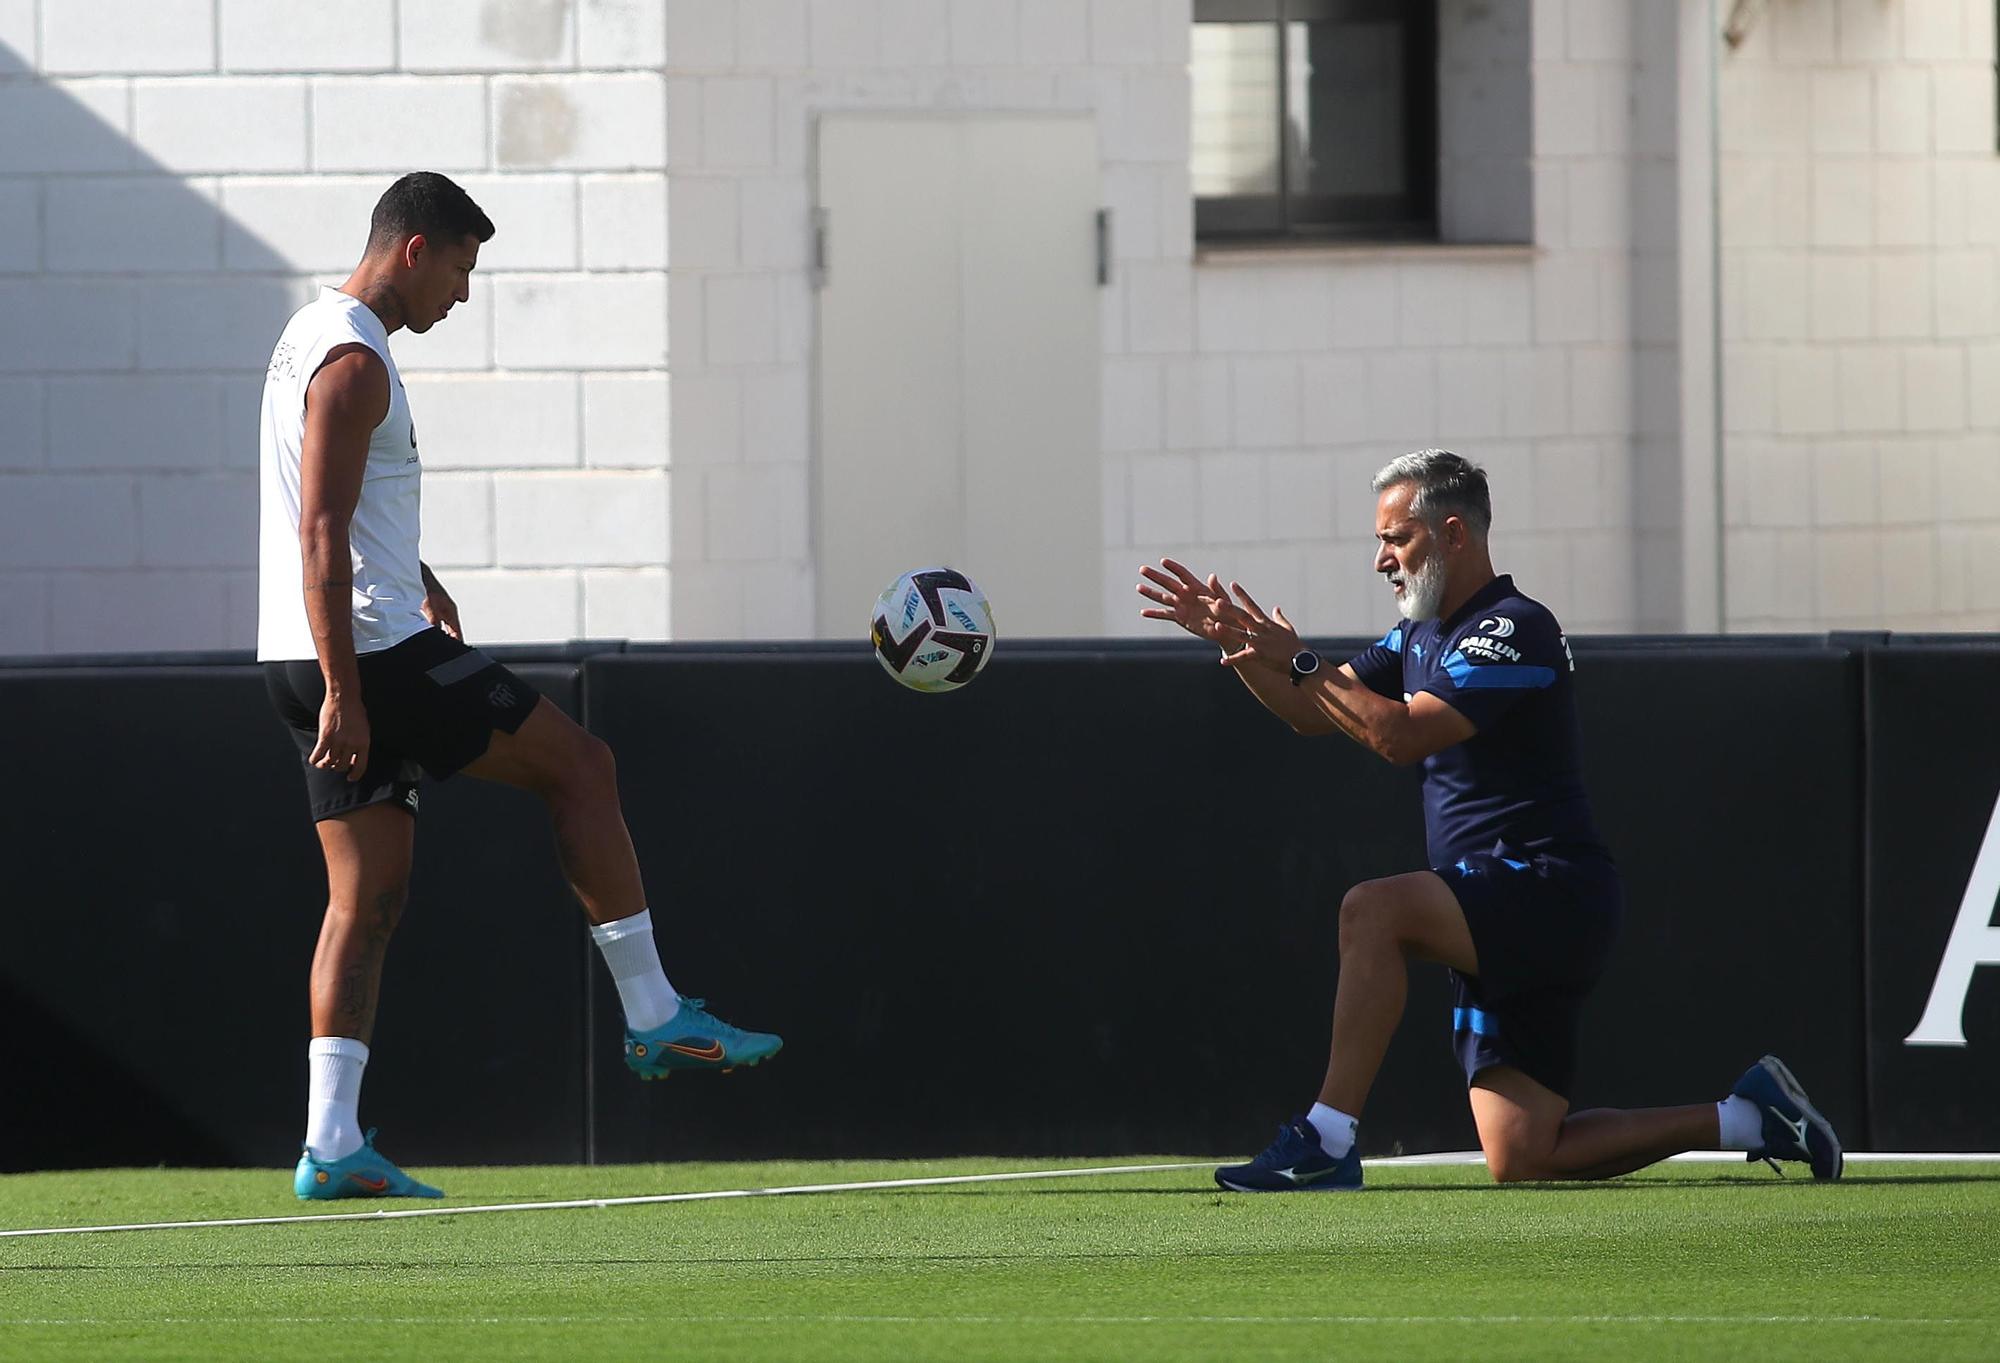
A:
[(1685, 1261)]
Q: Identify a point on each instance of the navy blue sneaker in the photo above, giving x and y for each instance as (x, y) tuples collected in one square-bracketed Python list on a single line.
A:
[(1793, 1127), (1295, 1163)]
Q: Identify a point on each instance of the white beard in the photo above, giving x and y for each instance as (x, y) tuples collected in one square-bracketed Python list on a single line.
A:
[(1423, 590)]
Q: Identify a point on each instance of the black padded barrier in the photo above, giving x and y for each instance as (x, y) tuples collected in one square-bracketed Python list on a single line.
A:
[(1934, 781), (1728, 784), (1087, 906), (164, 895), (1090, 904)]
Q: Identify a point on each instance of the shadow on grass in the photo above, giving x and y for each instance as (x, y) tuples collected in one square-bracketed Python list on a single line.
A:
[(1627, 1185)]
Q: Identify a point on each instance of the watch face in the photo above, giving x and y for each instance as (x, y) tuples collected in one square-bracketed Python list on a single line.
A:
[(1305, 660)]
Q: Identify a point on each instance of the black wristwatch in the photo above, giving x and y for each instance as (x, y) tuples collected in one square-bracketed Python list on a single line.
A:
[(1304, 663)]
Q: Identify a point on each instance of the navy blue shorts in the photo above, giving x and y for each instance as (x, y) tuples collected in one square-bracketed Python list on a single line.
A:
[(1544, 928)]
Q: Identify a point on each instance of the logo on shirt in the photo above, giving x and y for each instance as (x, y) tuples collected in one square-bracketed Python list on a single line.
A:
[(1499, 626), (1492, 650)]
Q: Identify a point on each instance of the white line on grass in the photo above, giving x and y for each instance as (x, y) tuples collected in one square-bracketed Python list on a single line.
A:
[(1456, 1157), (349, 1319), (709, 1196)]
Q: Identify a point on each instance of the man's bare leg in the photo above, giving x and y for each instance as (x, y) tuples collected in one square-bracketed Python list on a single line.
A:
[(574, 773), (1529, 1133), (1383, 925), (368, 854)]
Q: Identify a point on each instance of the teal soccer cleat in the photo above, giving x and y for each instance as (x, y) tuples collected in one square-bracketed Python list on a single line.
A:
[(694, 1039), (362, 1174)]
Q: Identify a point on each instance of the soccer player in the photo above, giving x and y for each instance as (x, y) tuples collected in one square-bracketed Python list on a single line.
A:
[(365, 661), (1521, 901)]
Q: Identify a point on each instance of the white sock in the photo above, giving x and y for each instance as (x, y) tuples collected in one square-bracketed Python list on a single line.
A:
[(628, 949), (1336, 1129), (333, 1088), (1741, 1123)]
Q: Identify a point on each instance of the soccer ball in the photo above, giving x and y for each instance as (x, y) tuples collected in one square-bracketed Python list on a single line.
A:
[(932, 629)]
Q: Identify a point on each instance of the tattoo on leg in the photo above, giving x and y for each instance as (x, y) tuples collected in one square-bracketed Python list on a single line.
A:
[(360, 982)]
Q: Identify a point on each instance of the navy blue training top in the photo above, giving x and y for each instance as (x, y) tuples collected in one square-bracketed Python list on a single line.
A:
[(1516, 786)]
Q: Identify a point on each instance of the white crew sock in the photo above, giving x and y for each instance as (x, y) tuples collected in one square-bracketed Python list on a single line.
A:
[(1741, 1123), (628, 949), (1336, 1129), (333, 1087)]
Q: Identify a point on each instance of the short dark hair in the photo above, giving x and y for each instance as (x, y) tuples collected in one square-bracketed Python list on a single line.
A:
[(424, 203), (1447, 484)]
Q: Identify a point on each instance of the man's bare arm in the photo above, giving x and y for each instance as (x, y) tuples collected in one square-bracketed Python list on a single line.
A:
[(1329, 701), (345, 402), (1392, 730), (438, 607)]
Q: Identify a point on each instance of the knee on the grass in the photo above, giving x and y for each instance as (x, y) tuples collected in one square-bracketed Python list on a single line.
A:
[(1517, 1166), (1519, 1162)]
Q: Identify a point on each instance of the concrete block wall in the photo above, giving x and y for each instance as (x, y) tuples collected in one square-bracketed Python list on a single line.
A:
[(1860, 234), (746, 81), (1247, 397), (1246, 434), (177, 175)]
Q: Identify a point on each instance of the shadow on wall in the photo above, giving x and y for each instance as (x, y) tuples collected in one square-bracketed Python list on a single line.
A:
[(136, 317)]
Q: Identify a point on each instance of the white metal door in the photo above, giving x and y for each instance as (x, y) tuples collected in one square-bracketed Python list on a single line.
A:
[(959, 364)]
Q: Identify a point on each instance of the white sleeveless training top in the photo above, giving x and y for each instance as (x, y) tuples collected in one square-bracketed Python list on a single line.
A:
[(382, 537)]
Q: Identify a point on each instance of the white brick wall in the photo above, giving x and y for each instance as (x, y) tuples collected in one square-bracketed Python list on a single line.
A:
[(176, 176), (306, 35), (1860, 316), (1246, 400)]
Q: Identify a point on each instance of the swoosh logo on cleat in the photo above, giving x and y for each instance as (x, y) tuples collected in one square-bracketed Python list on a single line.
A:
[(373, 1185), (712, 1051), (1798, 1128)]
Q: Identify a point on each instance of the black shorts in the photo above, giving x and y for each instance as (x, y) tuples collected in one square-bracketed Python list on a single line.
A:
[(1544, 928), (432, 705)]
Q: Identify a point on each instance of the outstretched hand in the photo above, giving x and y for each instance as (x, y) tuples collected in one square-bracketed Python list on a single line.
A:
[(1248, 634), (1183, 598), (1239, 627)]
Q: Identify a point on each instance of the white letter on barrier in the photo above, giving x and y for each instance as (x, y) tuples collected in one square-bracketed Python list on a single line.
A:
[(1974, 942)]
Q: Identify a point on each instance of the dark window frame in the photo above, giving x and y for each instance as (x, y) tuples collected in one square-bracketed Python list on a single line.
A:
[(1247, 218)]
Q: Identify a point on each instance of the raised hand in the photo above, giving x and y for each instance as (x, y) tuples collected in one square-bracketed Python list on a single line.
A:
[(1183, 598), (1248, 634)]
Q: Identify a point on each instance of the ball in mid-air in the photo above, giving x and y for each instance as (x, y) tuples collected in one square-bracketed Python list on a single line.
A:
[(932, 629)]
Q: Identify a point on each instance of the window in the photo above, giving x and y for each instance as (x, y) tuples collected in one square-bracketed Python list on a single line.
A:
[(1314, 118)]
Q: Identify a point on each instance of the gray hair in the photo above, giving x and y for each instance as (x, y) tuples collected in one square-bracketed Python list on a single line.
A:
[(1447, 485)]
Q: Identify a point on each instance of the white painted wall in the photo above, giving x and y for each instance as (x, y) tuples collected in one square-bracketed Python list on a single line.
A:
[(1861, 322), (745, 82), (1249, 396), (172, 178), (175, 177)]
